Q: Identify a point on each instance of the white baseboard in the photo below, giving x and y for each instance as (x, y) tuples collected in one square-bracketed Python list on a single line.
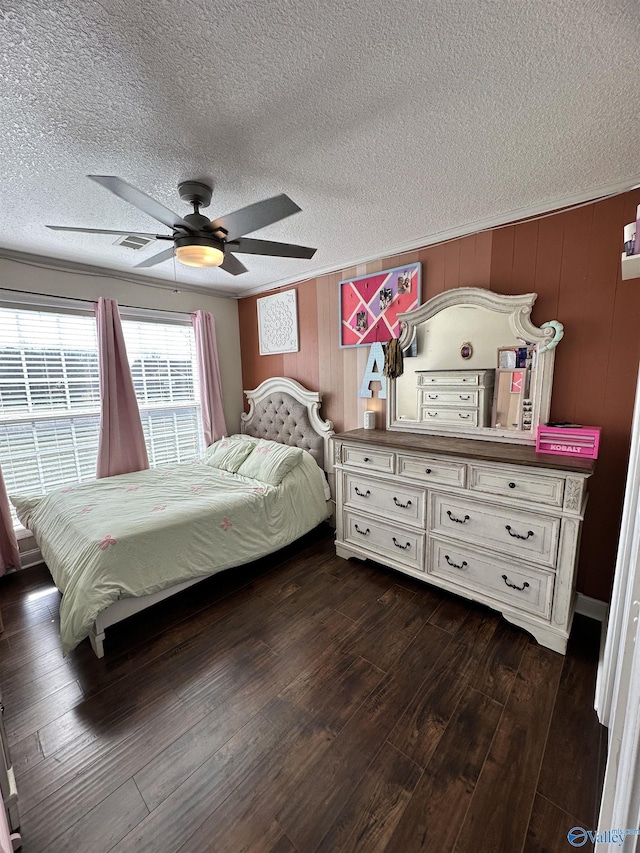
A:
[(592, 607), (30, 558), (598, 610)]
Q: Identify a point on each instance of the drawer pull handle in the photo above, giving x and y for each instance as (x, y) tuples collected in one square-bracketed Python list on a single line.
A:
[(460, 415), (401, 505), (465, 396), (455, 565), (362, 494), (432, 414), (513, 585), (512, 485), (366, 459), (427, 470), (398, 545), (518, 535), (433, 396), (457, 520), (362, 532)]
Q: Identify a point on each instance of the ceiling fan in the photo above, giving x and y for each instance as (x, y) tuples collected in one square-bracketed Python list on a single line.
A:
[(197, 241)]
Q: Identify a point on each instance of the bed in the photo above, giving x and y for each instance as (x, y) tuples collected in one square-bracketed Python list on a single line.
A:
[(118, 545)]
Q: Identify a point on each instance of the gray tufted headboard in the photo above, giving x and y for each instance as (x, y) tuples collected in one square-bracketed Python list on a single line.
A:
[(281, 409)]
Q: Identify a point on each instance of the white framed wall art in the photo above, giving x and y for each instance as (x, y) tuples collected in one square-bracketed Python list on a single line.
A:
[(278, 323)]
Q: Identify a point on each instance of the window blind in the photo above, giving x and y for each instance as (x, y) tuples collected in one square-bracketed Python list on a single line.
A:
[(48, 363), (162, 358), (49, 399)]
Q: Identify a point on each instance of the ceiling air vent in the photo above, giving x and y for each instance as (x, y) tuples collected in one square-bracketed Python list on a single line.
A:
[(133, 241)]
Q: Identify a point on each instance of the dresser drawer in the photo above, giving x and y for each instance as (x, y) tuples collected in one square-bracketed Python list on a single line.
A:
[(383, 539), (368, 458), (448, 377), (459, 399), (516, 484), (523, 587), (432, 470), (436, 415), (525, 535), (402, 502)]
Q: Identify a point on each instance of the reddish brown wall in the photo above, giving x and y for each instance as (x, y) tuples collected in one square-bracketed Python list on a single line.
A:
[(572, 261)]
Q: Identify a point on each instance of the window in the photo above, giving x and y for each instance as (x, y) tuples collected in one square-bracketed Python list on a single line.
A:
[(162, 357), (50, 395), (49, 399)]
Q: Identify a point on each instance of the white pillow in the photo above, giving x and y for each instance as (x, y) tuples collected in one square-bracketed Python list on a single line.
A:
[(227, 453), (270, 462)]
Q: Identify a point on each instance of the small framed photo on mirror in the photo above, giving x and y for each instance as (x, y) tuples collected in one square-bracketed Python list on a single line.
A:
[(507, 358)]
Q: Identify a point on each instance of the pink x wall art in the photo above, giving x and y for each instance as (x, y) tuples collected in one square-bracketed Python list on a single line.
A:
[(369, 305)]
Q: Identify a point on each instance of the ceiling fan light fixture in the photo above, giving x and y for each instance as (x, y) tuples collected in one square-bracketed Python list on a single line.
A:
[(199, 251), (197, 241)]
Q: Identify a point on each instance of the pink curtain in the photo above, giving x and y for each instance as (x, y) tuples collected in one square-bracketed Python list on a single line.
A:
[(121, 447), (209, 369), (9, 555)]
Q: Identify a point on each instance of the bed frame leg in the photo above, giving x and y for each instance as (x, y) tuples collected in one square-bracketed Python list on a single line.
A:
[(97, 641)]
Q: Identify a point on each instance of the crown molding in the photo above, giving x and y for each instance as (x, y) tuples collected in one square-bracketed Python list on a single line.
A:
[(76, 268), (511, 217)]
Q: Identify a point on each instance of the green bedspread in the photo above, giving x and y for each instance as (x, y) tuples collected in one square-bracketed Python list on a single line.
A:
[(138, 533)]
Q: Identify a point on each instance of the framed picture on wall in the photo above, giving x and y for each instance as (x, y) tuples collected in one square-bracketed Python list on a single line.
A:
[(369, 305), (278, 323)]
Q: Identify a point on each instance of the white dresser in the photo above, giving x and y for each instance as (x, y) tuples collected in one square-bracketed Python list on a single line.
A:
[(455, 397), (497, 523)]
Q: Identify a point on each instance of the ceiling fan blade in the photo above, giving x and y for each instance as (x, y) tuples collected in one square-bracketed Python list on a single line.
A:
[(232, 265), (248, 246), (140, 200), (104, 231), (156, 259), (255, 216)]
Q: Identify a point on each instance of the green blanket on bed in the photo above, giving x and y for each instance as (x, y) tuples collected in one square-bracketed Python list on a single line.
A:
[(138, 533)]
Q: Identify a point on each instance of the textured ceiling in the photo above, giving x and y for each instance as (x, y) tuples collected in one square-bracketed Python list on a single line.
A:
[(387, 122)]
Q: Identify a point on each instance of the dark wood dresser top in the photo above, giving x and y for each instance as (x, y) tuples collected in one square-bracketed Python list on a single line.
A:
[(470, 448)]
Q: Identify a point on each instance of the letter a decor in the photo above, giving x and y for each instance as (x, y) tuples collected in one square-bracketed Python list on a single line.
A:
[(376, 359)]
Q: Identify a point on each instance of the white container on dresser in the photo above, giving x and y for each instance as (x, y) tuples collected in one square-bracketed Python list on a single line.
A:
[(10, 816), (455, 397), (496, 523)]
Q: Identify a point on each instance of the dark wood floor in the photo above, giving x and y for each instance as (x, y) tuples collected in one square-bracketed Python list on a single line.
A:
[(303, 703)]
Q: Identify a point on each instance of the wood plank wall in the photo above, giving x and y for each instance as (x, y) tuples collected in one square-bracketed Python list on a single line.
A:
[(572, 261)]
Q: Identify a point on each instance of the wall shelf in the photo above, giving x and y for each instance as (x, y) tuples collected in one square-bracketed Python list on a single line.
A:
[(630, 266)]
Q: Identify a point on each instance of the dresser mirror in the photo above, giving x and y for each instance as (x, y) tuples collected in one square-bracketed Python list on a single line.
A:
[(474, 367)]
